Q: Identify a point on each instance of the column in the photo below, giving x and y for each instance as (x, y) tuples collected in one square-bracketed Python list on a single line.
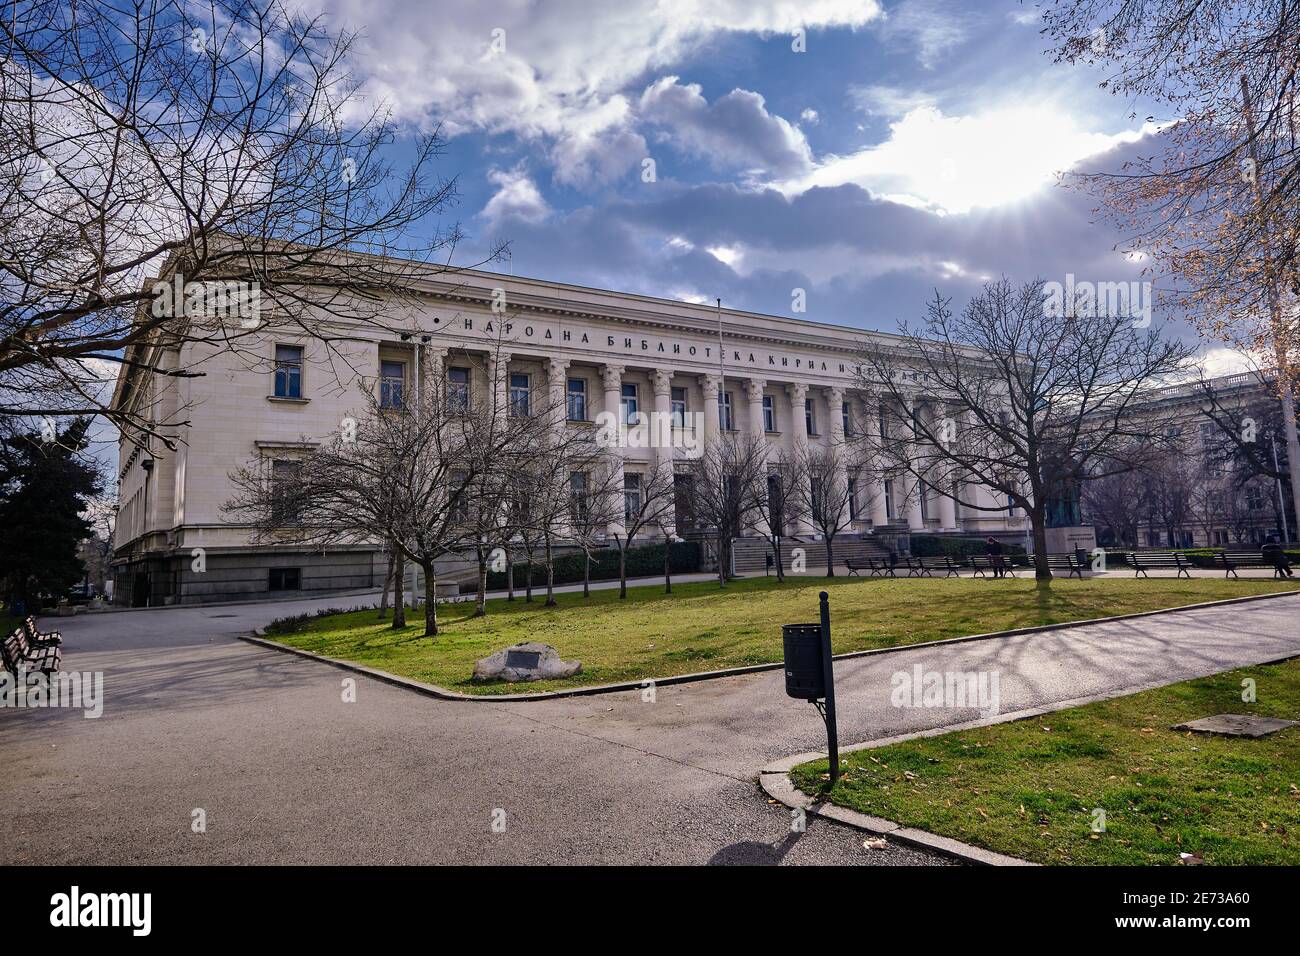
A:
[(947, 511), (612, 376), (499, 366), (835, 399), (754, 396), (431, 374), (557, 371), (710, 384), (911, 486), (661, 431), (879, 516), (798, 393)]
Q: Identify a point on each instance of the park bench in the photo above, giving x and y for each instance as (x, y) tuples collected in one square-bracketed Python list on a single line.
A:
[(856, 566), (1144, 561), (882, 567), (18, 652), (943, 563), (37, 638), (1068, 562), (1230, 561), (991, 562)]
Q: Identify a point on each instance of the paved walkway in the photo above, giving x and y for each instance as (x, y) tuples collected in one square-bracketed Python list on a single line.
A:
[(287, 772)]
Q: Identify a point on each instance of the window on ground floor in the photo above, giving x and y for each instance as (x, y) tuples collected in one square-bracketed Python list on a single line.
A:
[(285, 579)]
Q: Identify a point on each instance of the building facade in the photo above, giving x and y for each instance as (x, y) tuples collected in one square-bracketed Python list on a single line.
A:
[(785, 380)]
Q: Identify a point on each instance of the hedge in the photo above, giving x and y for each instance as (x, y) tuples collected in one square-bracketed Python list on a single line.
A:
[(934, 546), (645, 561)]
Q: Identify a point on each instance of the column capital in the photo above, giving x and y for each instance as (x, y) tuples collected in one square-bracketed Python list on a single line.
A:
[(835, 393), (612, 375), (797, 391), (557, 369), (754, 389), (663, 379), (710, 384)]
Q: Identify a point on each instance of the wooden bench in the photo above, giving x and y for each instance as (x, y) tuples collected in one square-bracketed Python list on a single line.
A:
[(991, 562), (856, 566), (1068, 562), (18, 652), (37, 638), (1230, 561), (882, 567), (1144, 561), (926, 566)]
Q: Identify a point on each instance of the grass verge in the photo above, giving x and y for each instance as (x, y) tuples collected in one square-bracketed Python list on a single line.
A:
[(1032, 788), (700, 627)]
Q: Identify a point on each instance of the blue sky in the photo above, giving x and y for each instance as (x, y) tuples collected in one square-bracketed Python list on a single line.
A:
[(913, 145)]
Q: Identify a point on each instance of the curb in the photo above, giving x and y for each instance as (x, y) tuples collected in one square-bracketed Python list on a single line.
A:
[(441, 693), (776, 783)]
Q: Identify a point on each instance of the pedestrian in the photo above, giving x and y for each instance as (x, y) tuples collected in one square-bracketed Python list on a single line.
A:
[(1276, 557), (993, 548)]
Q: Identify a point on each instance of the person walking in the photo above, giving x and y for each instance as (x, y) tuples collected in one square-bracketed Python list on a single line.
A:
[(1273, 553), (993, 549)]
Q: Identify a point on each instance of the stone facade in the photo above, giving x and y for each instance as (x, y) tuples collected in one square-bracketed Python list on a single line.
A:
[(786, 379)]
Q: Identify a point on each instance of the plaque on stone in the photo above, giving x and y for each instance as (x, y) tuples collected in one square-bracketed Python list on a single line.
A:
[(526, 661), (1236, 725)]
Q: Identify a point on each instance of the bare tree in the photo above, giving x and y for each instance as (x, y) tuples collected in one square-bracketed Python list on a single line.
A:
[(221, 146), (818, 491), (1019, 397), (729, 488), (648, 500), (1115, 505), (1214, 206)]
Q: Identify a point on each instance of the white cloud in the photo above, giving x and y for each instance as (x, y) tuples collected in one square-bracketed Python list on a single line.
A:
[(517, 197), (953, 164), (563, 68), (734, 131), (934, 30), (889, 101), (810, 117)]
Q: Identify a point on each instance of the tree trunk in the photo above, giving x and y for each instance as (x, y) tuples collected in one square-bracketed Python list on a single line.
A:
[(510, 576), (550, 575), (1038, 521), (586, 573), (399, 589), (480, 604), (776, 556), (430, 601), (722, 563), (830, 560), (622, 569), (668, 567), (388, 584), (528, 580)]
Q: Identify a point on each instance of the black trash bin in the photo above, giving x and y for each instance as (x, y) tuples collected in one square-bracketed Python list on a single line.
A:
[(805, 673)]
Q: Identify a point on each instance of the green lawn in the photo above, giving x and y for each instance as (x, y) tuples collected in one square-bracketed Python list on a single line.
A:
[(700, 627), (1030, 788)]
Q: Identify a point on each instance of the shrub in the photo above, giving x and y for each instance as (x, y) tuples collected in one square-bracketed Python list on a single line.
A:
[(644, 561), (935, 546), (300, 622)]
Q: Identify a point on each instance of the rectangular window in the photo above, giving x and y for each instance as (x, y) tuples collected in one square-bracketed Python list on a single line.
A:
[(284, 482), (923, 492), (392, 381), (809, 416), (853, 499), (458, 494), (631, 496), (846, 416), (285, 579), (578, 495), (724, 412), (288, 371), (628, 405), (520, 390), (577, 400), (769, 414), (679, 407), (883, 417), (458, 389), (889, 499)]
